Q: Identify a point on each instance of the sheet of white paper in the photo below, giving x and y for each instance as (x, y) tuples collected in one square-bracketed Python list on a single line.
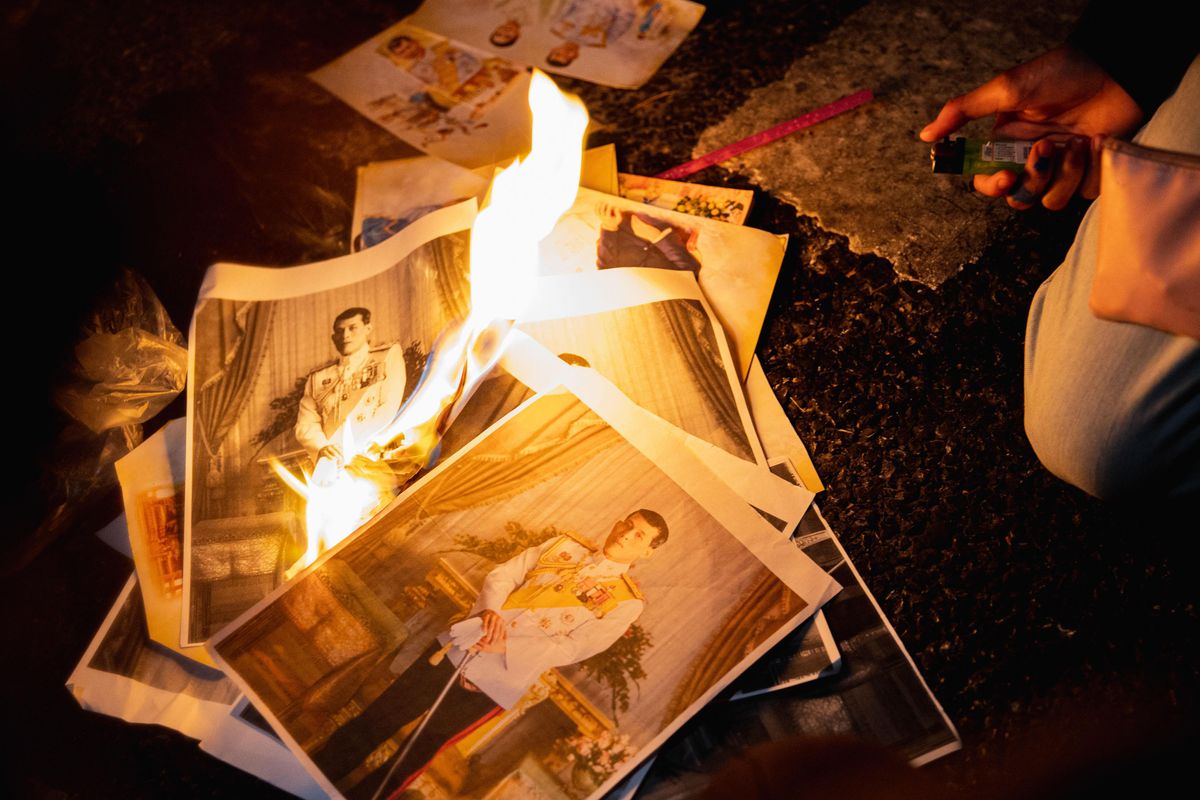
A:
[(260, 353), (152, 479), (535, 366), (116, 535), (391, 195), (124, 674), (878, 695), (599, 172), (241, 282), (253, 750), (736, 266), (653, 333), (618, 43), (714, 527), (775, 430)]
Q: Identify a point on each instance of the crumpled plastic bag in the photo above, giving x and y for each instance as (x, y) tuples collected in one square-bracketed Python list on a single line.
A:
[(83, 456), (131, 361), (130, 364)]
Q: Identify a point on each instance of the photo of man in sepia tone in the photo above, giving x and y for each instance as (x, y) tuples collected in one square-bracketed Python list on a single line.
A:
[(353, 397)]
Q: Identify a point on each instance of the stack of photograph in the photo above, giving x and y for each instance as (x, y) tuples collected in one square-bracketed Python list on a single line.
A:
[(603, 575)]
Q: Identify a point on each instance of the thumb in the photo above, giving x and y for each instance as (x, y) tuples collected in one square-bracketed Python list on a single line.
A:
[(998, 94)]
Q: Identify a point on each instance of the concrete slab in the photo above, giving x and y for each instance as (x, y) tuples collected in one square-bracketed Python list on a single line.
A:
[(865, 174)]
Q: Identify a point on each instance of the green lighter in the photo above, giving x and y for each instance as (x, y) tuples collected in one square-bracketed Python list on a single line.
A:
[(963, 156)]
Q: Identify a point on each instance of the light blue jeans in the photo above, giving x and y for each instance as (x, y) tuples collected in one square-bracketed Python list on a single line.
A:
[(1114, 408)]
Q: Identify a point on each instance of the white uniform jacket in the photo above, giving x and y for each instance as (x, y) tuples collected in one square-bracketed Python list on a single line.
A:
[(362, 390), (562, 602)]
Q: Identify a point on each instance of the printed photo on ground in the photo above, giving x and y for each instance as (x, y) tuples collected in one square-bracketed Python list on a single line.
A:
[(736, 266), (291, 367), (535, 577)]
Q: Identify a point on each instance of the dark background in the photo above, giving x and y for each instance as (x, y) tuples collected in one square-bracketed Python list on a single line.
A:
[(164, 136)]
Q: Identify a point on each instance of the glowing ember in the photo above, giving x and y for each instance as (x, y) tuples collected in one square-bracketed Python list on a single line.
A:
[(525, 202)]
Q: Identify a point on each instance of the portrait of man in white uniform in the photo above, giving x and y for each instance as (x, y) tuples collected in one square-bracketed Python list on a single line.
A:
[(353, 397), (552, 605)]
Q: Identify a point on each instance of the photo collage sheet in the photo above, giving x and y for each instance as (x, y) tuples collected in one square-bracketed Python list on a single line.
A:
[(451, 79)]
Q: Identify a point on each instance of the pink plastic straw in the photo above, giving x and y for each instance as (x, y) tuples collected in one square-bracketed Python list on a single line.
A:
[(769, 135)]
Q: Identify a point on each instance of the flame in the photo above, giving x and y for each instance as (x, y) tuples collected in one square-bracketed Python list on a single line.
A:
[(525, 201)]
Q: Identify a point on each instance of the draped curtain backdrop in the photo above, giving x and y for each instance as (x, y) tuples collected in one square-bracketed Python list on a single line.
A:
[(693, 336), (664, 356), (238, 334), (554, 435)]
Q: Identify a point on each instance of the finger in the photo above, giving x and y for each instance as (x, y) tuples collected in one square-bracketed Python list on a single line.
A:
[(998, 184), (1039, 169), (1090, 188), (1069, 175), (998, 94)]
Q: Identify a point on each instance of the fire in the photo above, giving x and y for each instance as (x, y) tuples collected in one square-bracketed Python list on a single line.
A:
[(337, 499), (525, 201)]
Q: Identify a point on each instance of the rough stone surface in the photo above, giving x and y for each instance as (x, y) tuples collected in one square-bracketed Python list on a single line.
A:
[(865, 174)]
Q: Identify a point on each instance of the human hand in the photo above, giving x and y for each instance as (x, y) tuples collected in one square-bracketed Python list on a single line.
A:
[(1053, 173), (610, 217), (331, 452), (495, 634), (1061, 94), (647, 228)]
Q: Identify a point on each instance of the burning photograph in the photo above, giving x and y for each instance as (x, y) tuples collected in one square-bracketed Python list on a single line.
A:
[(619, 43), (443, 97), (736, 266), (517, 618), (649, 333), (665, 357), (532, 365), (297, 381)]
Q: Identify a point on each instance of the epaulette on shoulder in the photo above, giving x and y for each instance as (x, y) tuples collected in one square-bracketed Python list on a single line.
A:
[(324, 366), (579, 538), (381, 348), (634, 589)]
